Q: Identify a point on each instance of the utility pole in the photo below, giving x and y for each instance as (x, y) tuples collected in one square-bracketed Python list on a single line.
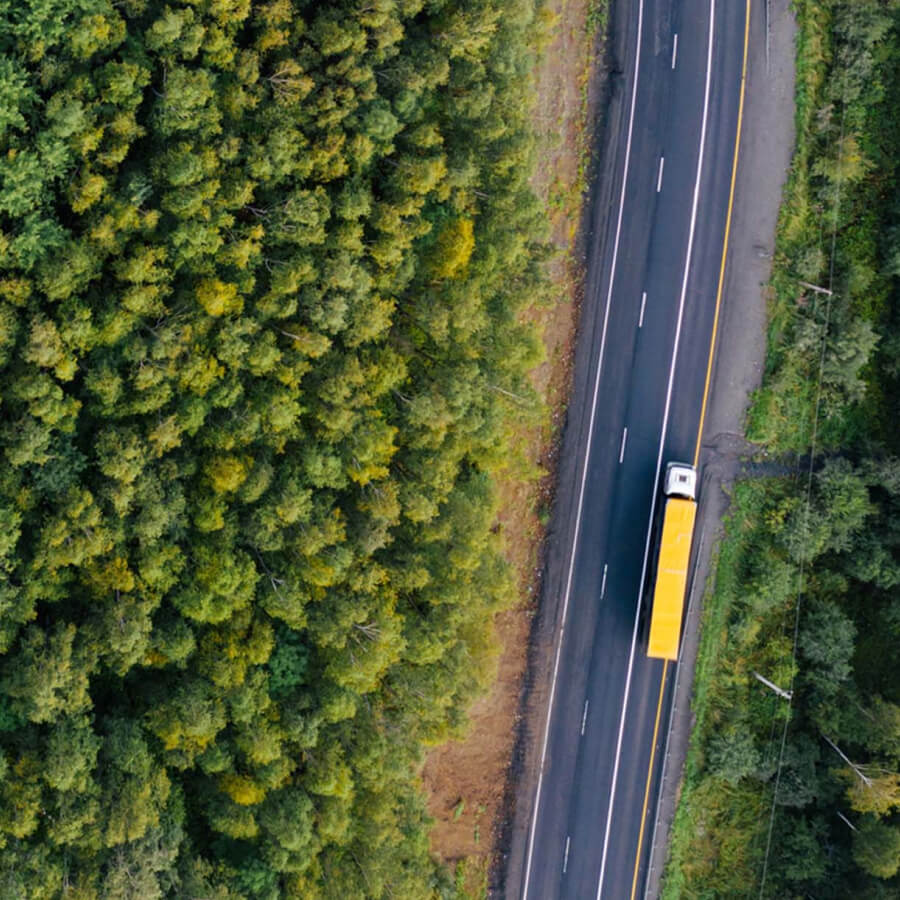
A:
[(509, 394), (866, 781), (785, 695), (845, 820), (816, 288)]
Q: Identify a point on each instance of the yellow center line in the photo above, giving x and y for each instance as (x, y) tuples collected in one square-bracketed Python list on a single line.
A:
[(734, 168), (709, 365), (637, 858)]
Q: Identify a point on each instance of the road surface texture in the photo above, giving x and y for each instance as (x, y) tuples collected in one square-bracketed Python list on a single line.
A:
[(655, 280)]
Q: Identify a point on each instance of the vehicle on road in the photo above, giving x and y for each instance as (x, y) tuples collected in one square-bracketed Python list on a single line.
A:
[(678, 514)]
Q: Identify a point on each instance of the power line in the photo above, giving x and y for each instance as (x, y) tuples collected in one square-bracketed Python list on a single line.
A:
[(812, 456), (800, 577)]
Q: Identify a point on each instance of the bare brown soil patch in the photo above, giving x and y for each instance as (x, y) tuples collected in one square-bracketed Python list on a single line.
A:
[(465, 780)]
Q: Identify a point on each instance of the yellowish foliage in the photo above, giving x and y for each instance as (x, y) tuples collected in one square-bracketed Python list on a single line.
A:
[(114, 576), (454, 248), (227, 473), (165, 436), (88, 191), (200, 372), (16, 290), (219, 298), (242, 789), (880, 796)]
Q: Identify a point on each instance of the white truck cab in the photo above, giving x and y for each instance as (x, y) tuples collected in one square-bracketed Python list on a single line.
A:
[(681, 481)]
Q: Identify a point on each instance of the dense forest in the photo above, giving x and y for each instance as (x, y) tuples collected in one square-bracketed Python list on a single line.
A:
[(262, 269), (801, 798)]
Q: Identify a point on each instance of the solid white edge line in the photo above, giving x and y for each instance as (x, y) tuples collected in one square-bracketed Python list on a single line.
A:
[(674, 50), (643, 304), (622, 448), (684, 283), (587, 452), (662, 162), (603, 582)]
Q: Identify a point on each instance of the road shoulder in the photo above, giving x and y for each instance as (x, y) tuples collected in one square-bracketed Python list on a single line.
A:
[(608, 88), (766, 146)]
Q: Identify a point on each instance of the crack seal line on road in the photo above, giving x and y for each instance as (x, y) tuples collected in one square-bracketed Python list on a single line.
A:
[(665, 423), (612, 274)]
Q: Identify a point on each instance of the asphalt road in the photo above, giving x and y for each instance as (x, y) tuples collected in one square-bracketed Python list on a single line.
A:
[(655, 269)]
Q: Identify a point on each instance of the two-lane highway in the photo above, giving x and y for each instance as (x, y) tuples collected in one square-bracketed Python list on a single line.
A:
[(661, 263)]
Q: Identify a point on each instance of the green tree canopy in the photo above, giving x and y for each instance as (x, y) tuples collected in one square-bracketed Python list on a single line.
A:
[(262, 269)]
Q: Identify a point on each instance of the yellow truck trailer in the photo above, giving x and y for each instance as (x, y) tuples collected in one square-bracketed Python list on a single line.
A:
[(672, 562)]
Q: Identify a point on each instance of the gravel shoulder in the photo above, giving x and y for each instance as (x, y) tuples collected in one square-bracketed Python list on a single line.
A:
[(767, 142)]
